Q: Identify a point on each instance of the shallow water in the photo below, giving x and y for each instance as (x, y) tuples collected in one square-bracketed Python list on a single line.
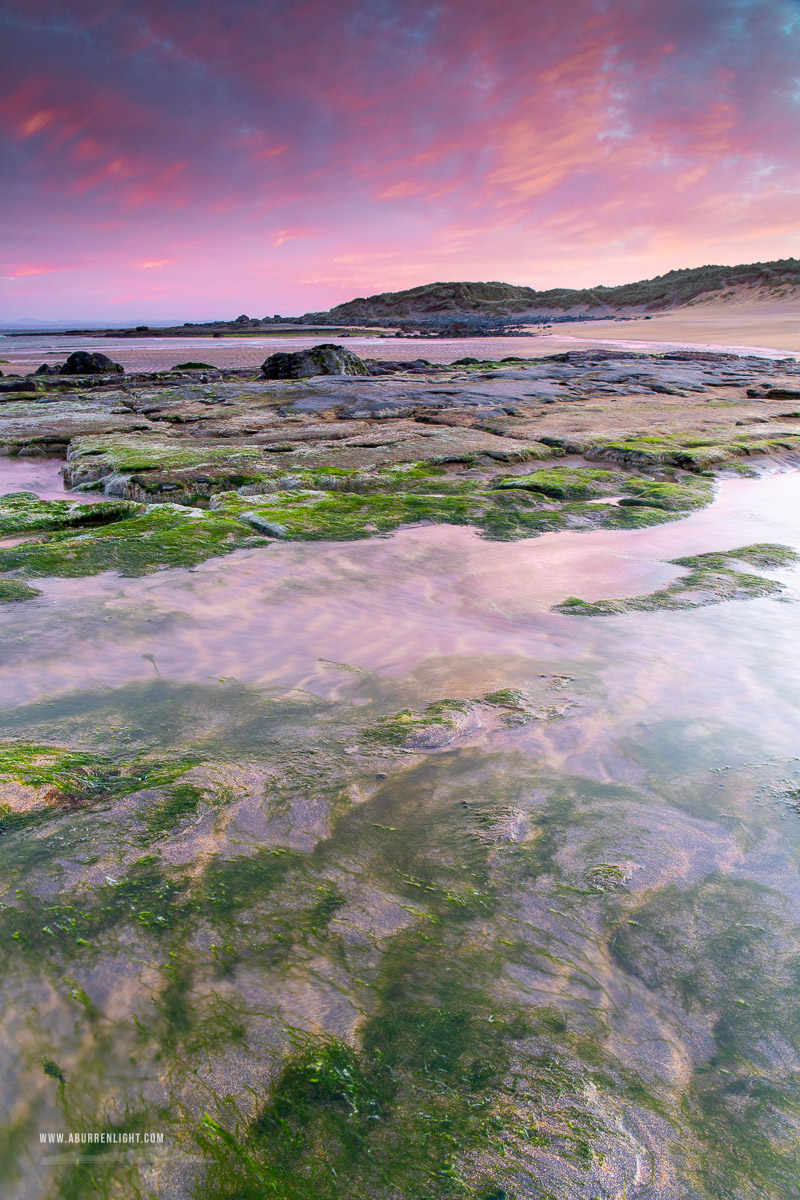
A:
[(40, 475), (159, 354), (25, 353), (669, 999), (276, 617)]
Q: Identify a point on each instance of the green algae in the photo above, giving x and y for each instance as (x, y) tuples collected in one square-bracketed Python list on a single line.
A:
[(12, 591), (334, 504), (689, 494), (565, 483), (607, 877), (165, 535), (66, 779), (182, 800), (637, 517), (437, 1044), (229, 887), (328, 502), (96, 1173), (709, 946), (509, 698), (149, 897), (760, 554), (440, 1089), (422, 476), (398, 1111), (314, 515), (24, 512), (687, 453), (440, 724), (68, 773), (514, 514), (409, 728), (711, 579), (565, 501), (53, 1070), (108, 454), (423, 1101)]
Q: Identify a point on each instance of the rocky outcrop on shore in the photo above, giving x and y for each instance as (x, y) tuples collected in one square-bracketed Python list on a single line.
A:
[(325, 359), (453, 912), (211, 462), (83, 362)]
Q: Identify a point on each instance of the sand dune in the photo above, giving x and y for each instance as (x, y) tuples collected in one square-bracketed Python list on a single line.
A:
[(771, 325)]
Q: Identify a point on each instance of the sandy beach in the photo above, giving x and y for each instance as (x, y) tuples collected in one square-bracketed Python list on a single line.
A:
[(742, 325)]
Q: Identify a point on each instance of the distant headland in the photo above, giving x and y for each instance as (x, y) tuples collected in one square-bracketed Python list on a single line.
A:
[(462, 309)]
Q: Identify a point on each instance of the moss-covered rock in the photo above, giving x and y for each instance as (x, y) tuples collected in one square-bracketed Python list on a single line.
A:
[(690, 493), (315, 515), (165, 535), (12, 591), (24, 512), (565, 483), (93, 458), (687, 453), (711, 579), (758, 554)]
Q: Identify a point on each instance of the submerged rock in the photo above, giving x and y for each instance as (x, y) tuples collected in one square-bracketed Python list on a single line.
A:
[(446, 722), (271, 528), (326, 359), (84, 362), (438, 727)]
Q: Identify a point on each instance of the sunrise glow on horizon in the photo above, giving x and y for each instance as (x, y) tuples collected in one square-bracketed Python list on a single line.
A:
[(200, 160)]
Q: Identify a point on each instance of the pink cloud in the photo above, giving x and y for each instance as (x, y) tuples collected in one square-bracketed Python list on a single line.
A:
[(282, 156), (24, 272)]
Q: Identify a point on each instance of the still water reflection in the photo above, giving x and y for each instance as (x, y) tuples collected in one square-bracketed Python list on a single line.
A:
[(622, 871)]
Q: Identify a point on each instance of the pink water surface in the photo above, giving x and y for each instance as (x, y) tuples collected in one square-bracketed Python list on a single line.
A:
[(278, 616), (40, 475)]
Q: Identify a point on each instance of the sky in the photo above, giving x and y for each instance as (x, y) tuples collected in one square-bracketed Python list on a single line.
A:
[(188, 160)]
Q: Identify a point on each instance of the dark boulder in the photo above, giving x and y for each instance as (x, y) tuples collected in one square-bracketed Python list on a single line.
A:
[(390, 366), (326, 359), (82, 362), (782, 393), (28, 384), (46, 369)]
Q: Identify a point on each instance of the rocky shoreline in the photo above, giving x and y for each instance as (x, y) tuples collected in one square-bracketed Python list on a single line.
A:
[(200, 462), (472, 928), (458, 325)]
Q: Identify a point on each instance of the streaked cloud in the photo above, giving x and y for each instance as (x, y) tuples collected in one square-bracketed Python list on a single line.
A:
[(280, 157)]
